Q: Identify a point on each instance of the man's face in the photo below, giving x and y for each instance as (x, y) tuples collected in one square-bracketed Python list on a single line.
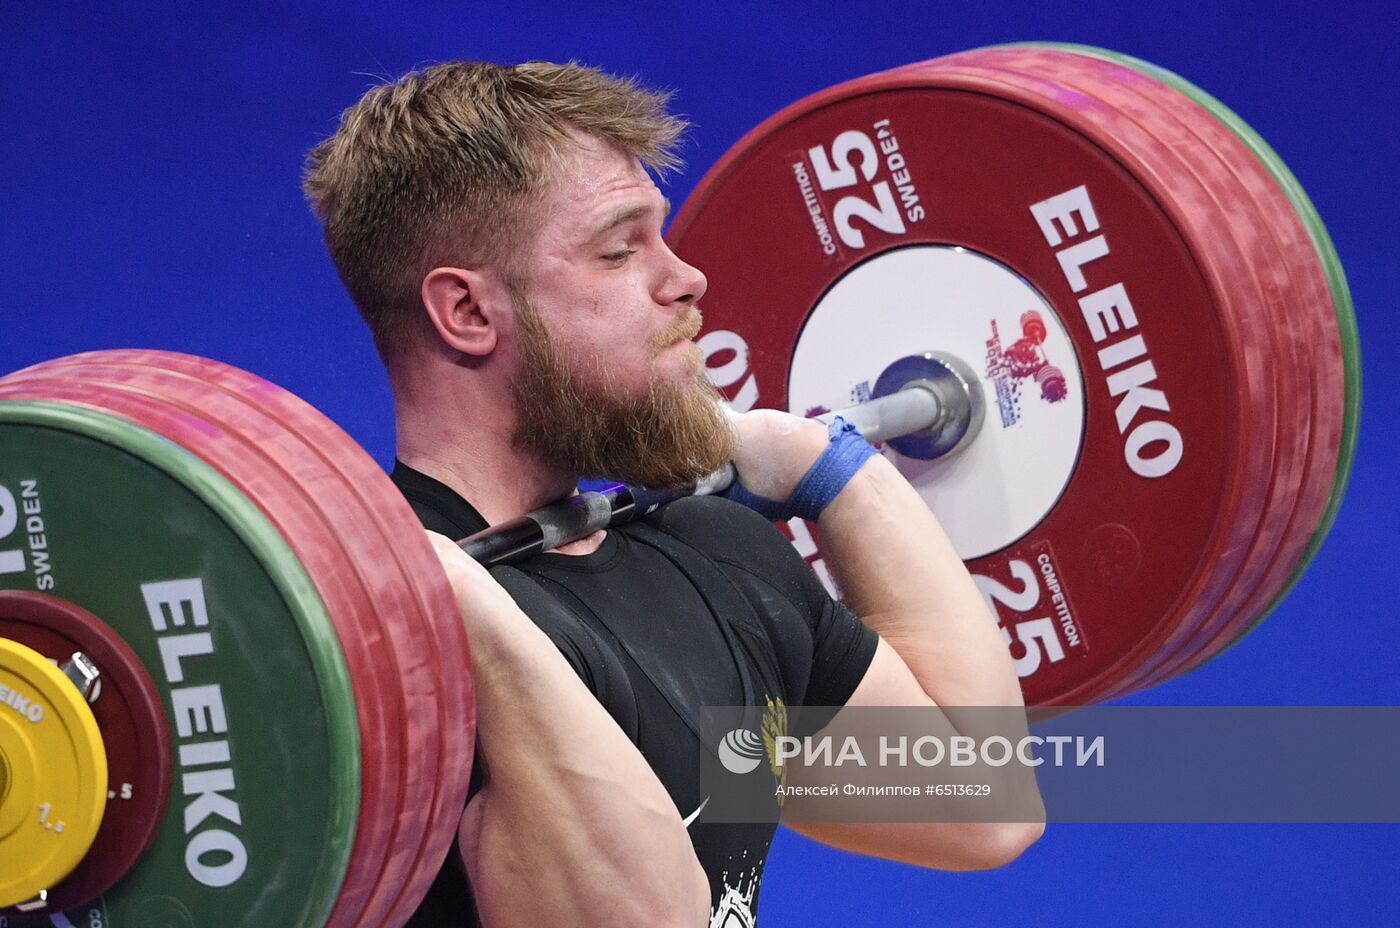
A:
[(608, 382)]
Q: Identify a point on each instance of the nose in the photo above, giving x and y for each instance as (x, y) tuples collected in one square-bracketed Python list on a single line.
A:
[(684, 284)]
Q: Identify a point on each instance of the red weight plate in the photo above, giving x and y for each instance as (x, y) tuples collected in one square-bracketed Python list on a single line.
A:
[(1298, 310), (304, 443), (1262, 283), (1161, 145), (388, 594), (1307, 312), (1337, 330), (1161, 114), (129, 713), (1294, 289), (1272, 540), (438, 610), (1116, 560), (388, 732)]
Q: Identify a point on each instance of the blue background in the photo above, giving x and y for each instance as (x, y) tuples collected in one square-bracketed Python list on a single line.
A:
[(149, 197)]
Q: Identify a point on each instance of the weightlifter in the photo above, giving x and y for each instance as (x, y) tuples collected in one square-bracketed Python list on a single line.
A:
[(500, 230)]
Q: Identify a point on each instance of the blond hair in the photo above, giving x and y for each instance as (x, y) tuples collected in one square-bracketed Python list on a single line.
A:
[(440, 168)]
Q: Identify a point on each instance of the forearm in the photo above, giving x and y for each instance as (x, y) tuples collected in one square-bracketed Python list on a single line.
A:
[(573, 826), (939, 646), (901, 575)]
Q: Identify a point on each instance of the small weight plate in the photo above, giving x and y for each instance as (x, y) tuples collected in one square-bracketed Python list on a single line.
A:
[(131, 519), (127, 707), (910, 220), (56, 774)]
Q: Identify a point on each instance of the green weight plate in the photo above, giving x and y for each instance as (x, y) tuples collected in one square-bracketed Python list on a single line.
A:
[(318, 543), (1337, 283), (305, 443), (405, 584), (262, 712)]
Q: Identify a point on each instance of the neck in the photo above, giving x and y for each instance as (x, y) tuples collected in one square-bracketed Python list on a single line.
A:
[(459, 433)]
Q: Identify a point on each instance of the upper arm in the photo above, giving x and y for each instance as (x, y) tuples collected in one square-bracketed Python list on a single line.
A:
[(888, 681), (570, 784)]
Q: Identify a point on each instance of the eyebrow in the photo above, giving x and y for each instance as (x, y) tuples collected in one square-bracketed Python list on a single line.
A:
[(626, 214)]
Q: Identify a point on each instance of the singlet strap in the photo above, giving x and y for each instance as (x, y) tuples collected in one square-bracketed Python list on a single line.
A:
[(605, 686), (721, 596)]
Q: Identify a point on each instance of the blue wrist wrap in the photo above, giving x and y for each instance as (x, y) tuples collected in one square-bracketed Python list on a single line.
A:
[(844, 454)]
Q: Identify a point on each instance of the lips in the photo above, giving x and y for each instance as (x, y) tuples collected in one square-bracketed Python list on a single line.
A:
[(682, 329)]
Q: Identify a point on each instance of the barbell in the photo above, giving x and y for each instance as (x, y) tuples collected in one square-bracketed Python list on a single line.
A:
[(1153, 404), (930, 406)]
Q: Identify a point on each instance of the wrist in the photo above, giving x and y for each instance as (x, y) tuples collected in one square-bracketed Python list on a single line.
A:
[(843, 452), (846, 453), (864, 492)]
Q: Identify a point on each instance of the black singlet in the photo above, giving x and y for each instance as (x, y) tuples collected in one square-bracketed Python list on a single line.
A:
[(704, 603)]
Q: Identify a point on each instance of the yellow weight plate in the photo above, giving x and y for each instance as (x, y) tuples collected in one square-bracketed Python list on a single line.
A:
[(4, 779), (56, 774)]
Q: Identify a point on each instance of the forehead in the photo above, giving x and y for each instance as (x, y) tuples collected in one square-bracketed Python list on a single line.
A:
[(595, 180)]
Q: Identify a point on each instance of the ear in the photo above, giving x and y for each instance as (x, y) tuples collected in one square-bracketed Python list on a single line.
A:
[(464, 306)]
